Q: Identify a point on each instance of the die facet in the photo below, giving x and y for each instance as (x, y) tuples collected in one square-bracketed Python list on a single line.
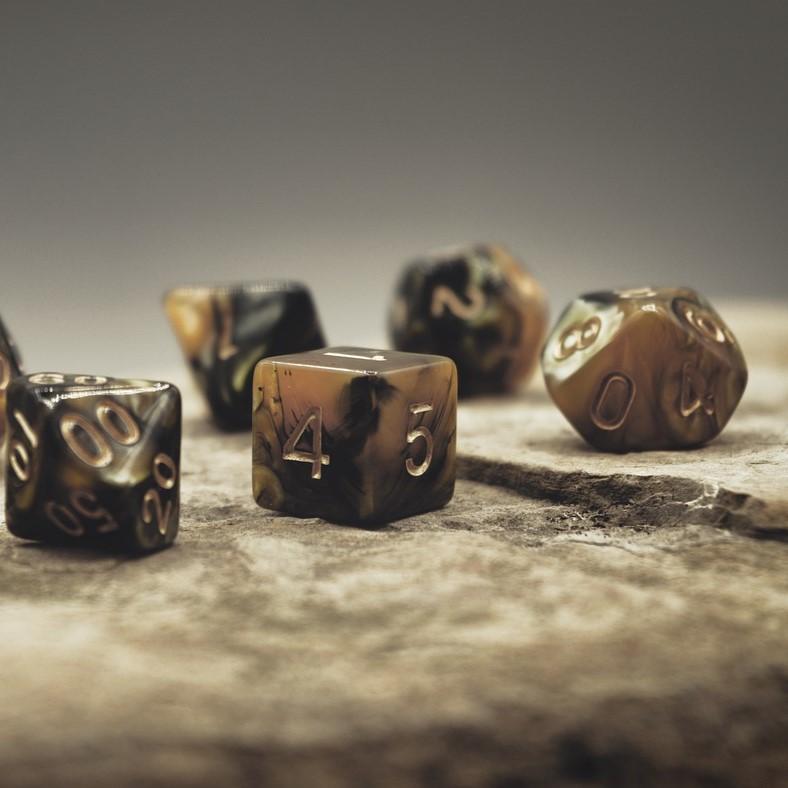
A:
[(225, 330), (10, 367), (94, 461), (477, 305), (354, 435), (644, 369)]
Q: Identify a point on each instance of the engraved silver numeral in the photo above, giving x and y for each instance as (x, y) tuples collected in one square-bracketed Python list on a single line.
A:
[(89, 443), (63, 518), (445, 298), (117, 422), (312, 419), (18, 454), (24, 425), (376, 356), (86, 506), (578, 336), (19, 460), (85, 440), (165, 480), (703, 320), (613, 401), (58, 378), (47, 378), (152, 508), (696, 392), (413, 435)]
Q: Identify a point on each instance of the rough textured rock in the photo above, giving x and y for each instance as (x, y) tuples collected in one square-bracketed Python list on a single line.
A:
[(569, 618)]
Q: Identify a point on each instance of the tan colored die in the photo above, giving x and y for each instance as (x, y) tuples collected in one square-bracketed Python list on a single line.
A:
[(224, 330), (644, 369), (354, 435)]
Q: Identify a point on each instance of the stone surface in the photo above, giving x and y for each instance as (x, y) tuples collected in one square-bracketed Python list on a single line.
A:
[(569, 618)]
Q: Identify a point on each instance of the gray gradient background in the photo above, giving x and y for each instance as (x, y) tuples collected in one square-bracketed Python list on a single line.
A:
[(144, 144)]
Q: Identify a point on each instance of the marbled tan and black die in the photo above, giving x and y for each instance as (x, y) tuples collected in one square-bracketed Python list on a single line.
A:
[(354, 435), (643, 369), (93, 460), (225, 330), (10, 367), (479, 306)]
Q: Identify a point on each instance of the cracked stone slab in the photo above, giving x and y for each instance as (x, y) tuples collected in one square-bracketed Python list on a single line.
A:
[(547, 627)]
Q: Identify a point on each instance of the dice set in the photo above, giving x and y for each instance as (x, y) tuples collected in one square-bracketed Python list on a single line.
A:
[(349, 434)]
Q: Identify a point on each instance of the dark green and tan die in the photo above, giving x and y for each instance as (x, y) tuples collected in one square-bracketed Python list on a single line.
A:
[(354, 435), (93, 461), (10, 367), (477, 305), (644, 369), (225, 330)]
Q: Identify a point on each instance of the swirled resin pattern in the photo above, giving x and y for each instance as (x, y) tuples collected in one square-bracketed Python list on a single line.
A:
[(225, 330), (354, 435), (477, 305), (93, 460), (651, 368)]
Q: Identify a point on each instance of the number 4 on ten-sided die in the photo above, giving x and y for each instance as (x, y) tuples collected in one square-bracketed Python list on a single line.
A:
[(354, 435), (93, 460)]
